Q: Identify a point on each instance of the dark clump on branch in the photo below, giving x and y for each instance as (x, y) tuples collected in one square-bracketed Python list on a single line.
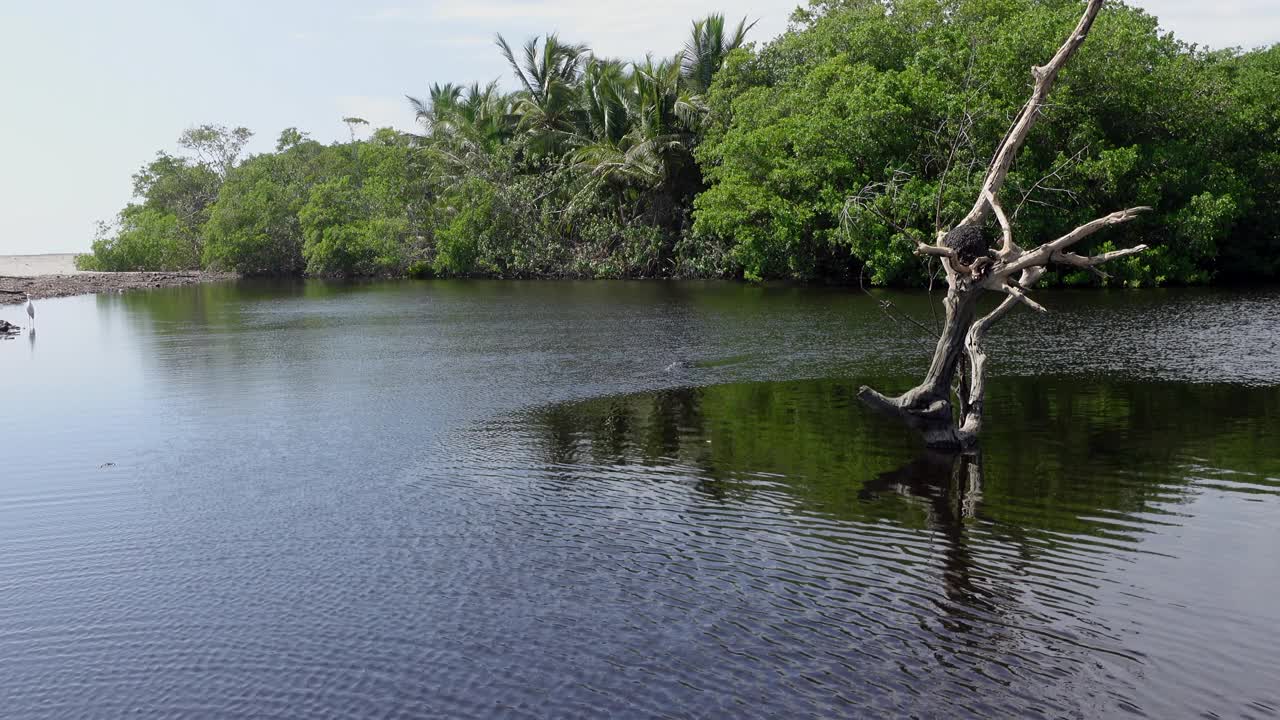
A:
[(969, 242)]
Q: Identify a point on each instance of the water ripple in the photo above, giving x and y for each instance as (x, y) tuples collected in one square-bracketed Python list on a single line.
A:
[(497, 500)]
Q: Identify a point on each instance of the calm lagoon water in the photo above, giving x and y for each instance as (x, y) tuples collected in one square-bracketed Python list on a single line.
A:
[(454, 499)]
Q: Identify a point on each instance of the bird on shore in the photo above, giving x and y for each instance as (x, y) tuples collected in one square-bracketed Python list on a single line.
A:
[(31, 311)]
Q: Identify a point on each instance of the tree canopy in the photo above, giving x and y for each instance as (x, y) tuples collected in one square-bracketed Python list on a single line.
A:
[(820, 155), (906, 99)]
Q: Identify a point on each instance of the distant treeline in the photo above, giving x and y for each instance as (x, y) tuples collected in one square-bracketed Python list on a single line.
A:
[(820, 155)]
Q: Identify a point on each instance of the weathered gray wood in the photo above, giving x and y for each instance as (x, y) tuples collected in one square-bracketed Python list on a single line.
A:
[(928, 407)]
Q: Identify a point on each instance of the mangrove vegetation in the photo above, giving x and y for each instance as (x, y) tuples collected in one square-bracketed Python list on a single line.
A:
[(825, 154)]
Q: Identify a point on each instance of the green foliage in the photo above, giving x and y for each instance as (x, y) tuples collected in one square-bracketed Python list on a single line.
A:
[(325, 210), (777, 184), (705, 52), (360, 224), (822, 155), (164, 231), (254, 228), (290, 137), (144, 239), (863, 129), (472, 225), (548, 73), (339, 235), (419, 270), (494, 221), (215, 146)]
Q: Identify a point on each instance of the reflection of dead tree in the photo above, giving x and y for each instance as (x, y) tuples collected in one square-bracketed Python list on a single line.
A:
[(972, 267), (948, 488)]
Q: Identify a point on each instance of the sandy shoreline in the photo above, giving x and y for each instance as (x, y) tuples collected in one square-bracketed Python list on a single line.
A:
[(48, 276), (38, 265)]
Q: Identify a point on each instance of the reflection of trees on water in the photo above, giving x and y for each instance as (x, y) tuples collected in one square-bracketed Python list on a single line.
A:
[(214, 306), (728, 436), (217, 320), (1061, 461), (1058, 455), (620, 427), (218, 331)]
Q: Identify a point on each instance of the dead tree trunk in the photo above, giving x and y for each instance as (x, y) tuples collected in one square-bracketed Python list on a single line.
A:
[(1009, 270)]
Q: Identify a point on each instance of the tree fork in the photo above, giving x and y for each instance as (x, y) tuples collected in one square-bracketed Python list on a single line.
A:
[(1010, 270)]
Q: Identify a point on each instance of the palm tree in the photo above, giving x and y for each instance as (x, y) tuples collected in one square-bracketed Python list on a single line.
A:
[(630, 128), (435, 111), (706, 50), (643, 140), (548, 72), (661, 105), (487, 114), (604, 99), (478, 114)]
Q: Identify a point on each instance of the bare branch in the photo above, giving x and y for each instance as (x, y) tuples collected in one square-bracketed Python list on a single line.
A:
[(1007, 248), (865, 201), (1017, 135), (971, 417), (963, 134), (1017, 294), (1028, 279), (1094, 260), (1055, 171), (888, 307), (939, 250), (1043, 254)]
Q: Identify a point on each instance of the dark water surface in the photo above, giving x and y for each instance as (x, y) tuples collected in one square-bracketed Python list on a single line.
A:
[(633, 500)]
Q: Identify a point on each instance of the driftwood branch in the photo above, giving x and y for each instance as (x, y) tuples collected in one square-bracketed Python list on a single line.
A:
[(1016, 293), (938, 250), (1092, 261), (1043, 255), (1010, 270), (975, 354), (1007, 248), (1044, 78)]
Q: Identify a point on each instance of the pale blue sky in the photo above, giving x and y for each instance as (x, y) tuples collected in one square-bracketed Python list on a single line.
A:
[(93, 89)]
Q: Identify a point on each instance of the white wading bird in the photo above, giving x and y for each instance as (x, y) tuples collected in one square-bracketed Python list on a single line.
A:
[(31, 311)]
